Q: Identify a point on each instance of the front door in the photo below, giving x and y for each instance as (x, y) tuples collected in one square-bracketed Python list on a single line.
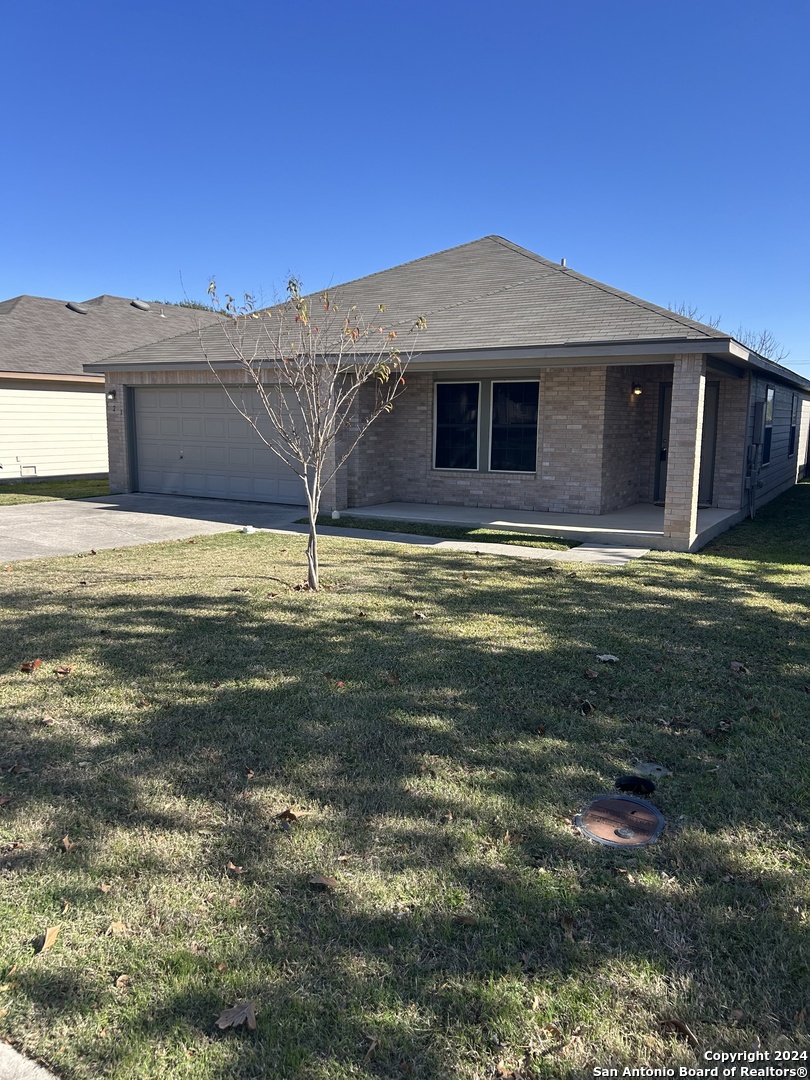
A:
[(708, 447), (662, 443)]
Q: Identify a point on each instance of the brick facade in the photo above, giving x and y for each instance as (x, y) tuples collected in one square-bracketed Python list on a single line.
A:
[(597, 444)]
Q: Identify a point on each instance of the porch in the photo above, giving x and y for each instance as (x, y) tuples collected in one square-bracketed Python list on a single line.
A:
[(641, 525)]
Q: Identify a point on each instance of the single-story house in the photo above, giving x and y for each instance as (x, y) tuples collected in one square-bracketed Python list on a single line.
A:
[(534, 389), (52, 415)]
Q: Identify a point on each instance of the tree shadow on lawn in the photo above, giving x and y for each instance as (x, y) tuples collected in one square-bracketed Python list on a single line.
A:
[(438, 793)]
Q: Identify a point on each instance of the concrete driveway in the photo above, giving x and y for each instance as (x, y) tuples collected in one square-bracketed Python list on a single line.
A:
[(38, 530)]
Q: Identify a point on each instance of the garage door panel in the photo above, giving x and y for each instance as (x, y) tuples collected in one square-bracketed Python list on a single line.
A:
[(222, 456), (191, 426)]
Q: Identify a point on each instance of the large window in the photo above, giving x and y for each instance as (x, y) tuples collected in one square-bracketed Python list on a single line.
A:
[(487, 425), (768, 435), (513, 446), (457, 425)]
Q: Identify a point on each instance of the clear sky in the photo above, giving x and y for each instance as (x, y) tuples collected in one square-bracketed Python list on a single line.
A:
[(661, 146)]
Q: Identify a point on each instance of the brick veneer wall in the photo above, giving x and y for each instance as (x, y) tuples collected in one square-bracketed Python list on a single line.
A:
[(394, 462)]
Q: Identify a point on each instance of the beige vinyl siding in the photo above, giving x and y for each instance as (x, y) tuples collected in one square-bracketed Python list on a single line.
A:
[(59, 430)]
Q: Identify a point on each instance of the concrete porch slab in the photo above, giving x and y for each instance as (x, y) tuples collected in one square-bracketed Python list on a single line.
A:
[(639, 526)]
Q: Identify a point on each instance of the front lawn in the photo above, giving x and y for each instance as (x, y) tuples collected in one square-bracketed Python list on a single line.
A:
[(203, 738), (13, 492)]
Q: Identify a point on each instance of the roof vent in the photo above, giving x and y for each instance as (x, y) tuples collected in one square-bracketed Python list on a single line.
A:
[(562, 263), (80, 308), (141, 305)]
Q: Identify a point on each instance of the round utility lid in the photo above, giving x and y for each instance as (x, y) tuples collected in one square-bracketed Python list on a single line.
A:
[(620, 821)]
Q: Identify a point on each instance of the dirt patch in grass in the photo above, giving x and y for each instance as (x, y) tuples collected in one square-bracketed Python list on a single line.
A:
[(202, 739), (448, 532), (13, 492)]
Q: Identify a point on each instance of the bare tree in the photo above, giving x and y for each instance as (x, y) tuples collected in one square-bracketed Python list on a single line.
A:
[(763, 342), (759, 341), (690, 311), (305, 362)]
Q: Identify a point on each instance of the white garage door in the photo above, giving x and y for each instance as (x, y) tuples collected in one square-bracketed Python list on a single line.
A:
[(192, 441)]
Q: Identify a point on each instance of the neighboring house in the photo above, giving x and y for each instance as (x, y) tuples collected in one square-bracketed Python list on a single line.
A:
[(52, 415), (534, 388)]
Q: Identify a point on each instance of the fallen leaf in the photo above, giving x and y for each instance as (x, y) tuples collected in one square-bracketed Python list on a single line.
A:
[(374, 1045), (323, 882), (674, 1026), (419, 615), (65, 669), (741, 669), (31, 665), (115, 929), (65, 904), (47, 940), (222, 967), (243, 1013), (607, 658), (590, 673), (650, 768), (249, 773), (104, 887), (504, 1072), (234, 869), (122, 981), (289, 815), (18, 768), (233, 902), (67, 843)]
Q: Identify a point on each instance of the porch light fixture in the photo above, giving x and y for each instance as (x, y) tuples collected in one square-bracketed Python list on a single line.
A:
[(110, 395), (637, 389)]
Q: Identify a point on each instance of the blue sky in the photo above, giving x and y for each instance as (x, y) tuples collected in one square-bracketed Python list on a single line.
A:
[(661, 147)]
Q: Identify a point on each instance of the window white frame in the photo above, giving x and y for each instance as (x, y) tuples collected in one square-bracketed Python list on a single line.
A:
[(456, 382), (513, 472)]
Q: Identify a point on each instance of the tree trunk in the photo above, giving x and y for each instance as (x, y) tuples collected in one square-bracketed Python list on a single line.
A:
[(313, 490), (312, 556)]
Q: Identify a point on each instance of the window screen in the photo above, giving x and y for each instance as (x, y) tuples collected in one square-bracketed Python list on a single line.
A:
[(514, 426), (457, 425)]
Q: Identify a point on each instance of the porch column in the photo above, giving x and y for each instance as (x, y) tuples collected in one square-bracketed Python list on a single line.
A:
[(683, 455)]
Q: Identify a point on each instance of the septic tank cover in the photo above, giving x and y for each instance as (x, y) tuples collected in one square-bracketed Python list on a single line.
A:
[(620, 821)]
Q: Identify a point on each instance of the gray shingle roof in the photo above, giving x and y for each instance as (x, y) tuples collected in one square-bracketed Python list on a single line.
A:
[(46, 337), (488, 294)]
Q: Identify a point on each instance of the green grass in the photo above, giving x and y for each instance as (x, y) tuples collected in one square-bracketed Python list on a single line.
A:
[(448, 532), (13, 492), (426, 713)]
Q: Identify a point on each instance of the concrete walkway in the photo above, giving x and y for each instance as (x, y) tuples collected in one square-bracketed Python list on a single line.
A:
[(14, 1066), (604, 554)]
